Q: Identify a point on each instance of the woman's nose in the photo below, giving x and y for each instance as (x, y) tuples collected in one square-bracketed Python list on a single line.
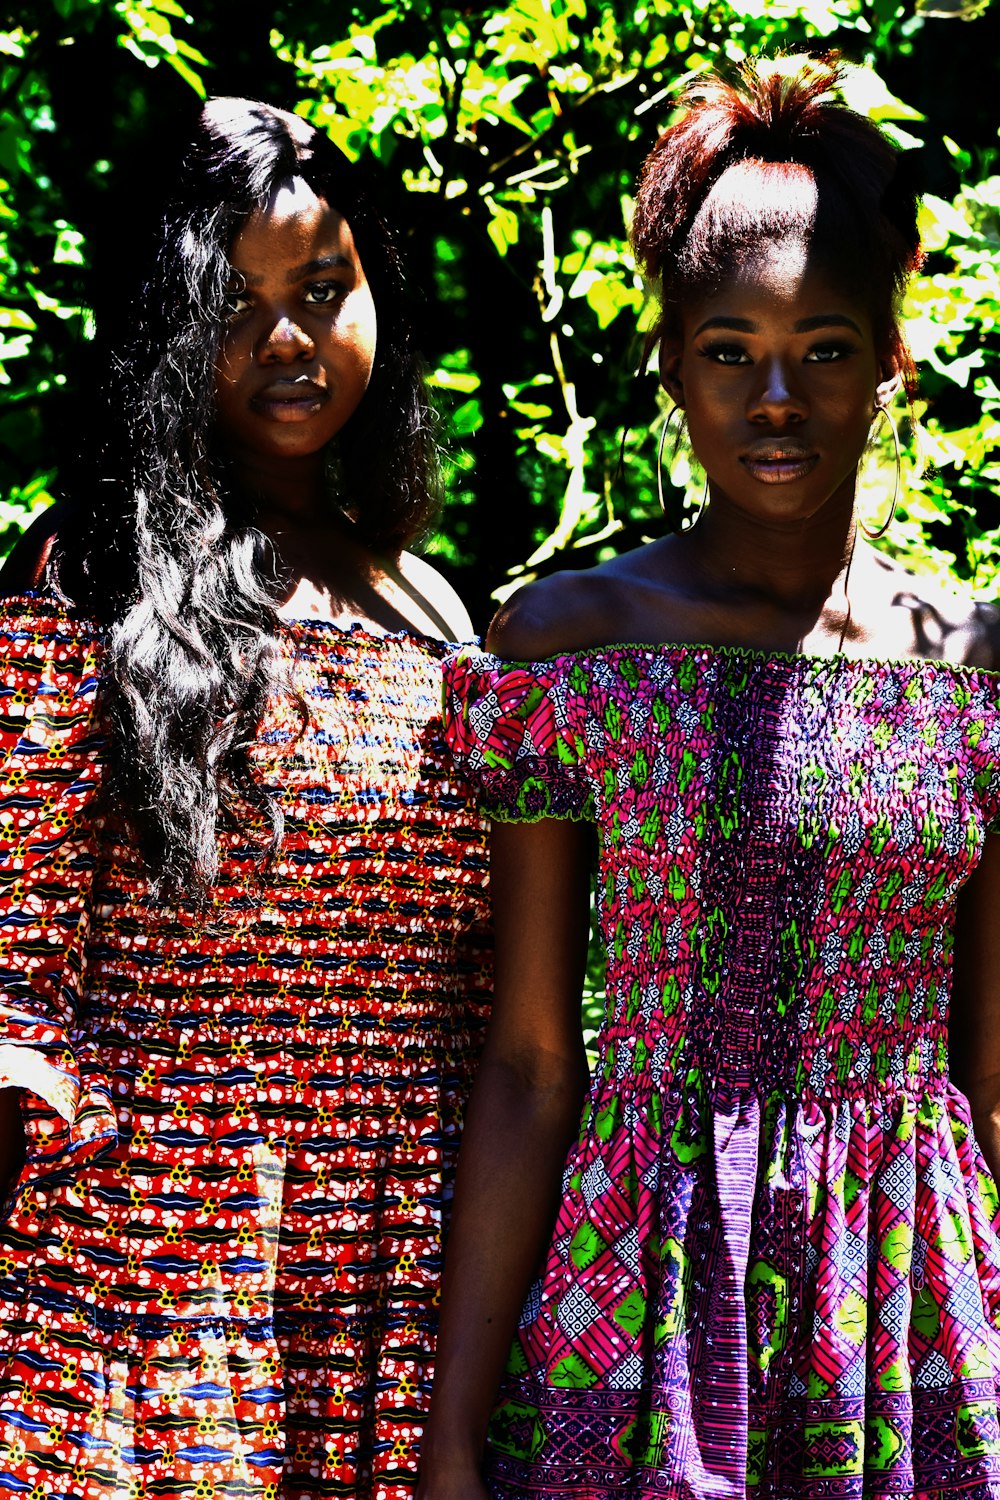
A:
[(777, 397), (286, 341)]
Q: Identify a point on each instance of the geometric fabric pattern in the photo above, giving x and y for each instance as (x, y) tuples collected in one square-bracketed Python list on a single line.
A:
[(219, 1270), (775, 1271)]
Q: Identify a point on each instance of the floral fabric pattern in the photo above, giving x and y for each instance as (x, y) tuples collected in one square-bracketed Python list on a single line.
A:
[(775, 1271), (219, 1270)]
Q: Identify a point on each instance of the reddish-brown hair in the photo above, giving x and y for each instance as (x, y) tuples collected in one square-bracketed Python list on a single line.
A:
[(773, 156)]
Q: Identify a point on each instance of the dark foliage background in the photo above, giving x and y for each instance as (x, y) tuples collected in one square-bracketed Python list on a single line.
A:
[(505, 142)]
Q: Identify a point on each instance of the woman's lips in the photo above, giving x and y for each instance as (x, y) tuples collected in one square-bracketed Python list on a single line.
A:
[(289, 401), (779, 465)]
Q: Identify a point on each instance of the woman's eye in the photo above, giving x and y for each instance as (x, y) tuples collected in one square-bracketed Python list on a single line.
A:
[(727, 354), (824, 354), (235, 304), (322, 293)]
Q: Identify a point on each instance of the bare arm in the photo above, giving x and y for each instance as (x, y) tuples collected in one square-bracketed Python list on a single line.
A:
[(522, 1117), (975, 1024)]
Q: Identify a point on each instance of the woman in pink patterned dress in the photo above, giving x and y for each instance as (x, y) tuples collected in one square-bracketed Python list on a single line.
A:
[(774, 1267), (243, 952)]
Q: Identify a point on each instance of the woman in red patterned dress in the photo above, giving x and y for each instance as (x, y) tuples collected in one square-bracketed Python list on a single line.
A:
[(243, 952)]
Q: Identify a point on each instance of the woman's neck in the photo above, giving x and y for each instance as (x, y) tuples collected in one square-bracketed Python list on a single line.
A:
[(792, 568), (286, 493)]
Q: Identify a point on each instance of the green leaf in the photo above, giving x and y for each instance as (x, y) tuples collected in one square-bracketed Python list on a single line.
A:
[(188, 74), (453, 380), (866, 92), (503, 227), (467, 419), (69, 241), (13, 317)]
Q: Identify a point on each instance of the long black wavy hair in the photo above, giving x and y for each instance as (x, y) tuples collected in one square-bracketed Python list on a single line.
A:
[(161, 549)]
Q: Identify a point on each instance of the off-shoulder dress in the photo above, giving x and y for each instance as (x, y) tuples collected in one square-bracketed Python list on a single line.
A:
[(775, 1270), (219, 1269)]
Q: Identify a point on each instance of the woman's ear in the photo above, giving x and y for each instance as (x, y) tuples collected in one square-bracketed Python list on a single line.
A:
[(671, 350), (891, 382)]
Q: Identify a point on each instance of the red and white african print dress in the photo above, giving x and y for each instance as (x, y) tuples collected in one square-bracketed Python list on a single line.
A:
[(219, 1269)]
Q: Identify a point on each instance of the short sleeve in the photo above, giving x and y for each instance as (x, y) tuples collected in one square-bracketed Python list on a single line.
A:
[(517, 732), (49, 769)]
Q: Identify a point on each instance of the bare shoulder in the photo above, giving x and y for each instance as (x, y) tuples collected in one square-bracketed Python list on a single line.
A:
[(25, 566), (540, 620), (986, 625), (547, 618), (444, 613), (569, 611), (948, 624)]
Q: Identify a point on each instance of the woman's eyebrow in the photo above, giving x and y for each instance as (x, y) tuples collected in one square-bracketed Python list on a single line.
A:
[(803, 325), (335, 262), (735, 325), (827, 320)]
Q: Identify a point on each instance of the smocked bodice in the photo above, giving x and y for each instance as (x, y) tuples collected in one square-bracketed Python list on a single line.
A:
[(782, 843)]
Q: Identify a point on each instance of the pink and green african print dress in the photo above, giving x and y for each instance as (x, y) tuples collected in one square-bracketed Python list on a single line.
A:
[(775, 1270)]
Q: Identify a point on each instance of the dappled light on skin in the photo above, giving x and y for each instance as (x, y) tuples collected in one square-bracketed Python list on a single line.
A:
[(300, 334)]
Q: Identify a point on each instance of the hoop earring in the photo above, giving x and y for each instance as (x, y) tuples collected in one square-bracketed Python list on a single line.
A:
[(671, 414), (873, 533), (659, 465)]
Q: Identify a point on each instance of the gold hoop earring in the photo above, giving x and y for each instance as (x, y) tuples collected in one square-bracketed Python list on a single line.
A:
[(659, 465), (671, 414), (873, 533)]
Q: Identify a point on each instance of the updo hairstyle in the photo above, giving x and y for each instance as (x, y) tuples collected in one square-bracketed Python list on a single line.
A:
[(775, 157)]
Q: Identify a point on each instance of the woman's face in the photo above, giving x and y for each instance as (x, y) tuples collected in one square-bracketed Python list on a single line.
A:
[(778, 372), (297, 352)]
